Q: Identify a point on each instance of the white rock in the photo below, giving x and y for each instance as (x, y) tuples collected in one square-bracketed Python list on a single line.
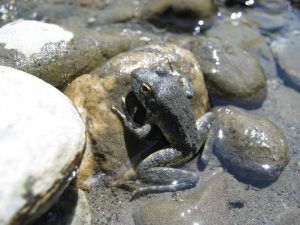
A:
[(42, 138), (29, 36)]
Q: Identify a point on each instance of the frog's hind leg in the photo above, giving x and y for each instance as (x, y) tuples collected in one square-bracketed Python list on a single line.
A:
[(160, 178)]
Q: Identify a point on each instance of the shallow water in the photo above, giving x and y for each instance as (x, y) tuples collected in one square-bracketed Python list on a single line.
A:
[(272, 205)]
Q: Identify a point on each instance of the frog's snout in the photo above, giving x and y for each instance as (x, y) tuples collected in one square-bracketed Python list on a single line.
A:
[(137, 72)]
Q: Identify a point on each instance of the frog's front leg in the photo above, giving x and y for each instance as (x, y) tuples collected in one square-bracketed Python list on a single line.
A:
[(138, 132), (152, 171)]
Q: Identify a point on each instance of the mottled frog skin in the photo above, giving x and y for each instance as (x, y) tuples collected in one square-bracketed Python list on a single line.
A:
[(167, 106)]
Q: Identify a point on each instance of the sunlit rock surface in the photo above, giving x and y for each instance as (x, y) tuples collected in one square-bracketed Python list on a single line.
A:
[(29, 36), (57, 55), (240, 32), (42, 142), (229, 71), (249, 146)]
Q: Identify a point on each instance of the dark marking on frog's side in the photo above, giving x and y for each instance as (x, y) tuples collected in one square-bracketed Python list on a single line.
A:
[(167, 107)]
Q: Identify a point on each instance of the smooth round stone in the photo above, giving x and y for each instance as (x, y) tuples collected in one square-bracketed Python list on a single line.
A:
[(249, 146), (229, 71), (94, 95), (237, 32), (178, 16), (42, 142), (241, 33), (286, 50), (58, 56), (29, 36), (266, 22), (201, 8), (205, 205), (274, 6)]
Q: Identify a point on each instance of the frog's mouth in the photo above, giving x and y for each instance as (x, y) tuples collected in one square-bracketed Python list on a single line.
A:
[(137, 150), (135, 109)]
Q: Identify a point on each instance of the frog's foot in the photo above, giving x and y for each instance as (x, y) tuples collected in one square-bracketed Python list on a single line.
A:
[(121, 116), (124, 177), (125, 115), (159, 178)]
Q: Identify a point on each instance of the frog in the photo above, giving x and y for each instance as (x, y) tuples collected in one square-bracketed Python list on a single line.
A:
[(167, 105)]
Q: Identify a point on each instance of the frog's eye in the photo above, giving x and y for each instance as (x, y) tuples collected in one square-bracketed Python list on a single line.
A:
[(145, 88)]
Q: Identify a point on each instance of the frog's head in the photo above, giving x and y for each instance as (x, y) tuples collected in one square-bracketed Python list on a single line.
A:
[(146, 83)]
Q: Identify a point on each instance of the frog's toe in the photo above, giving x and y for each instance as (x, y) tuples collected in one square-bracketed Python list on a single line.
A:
[(123, 103), (118, 113), (123, 100), (139, 192)]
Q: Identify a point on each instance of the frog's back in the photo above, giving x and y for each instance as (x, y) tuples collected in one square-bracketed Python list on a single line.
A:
[(173, 115)]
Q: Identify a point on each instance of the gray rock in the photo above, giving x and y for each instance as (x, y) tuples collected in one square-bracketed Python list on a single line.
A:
[(286, 50), (205, 205), (56, 55), (244, 34), (79, 13), (178, 16), (42, 138), (229, 71), (94, 95), (249, 146), (237, 32), (72, 208), (201, 8), (266, 22), (274, 6)]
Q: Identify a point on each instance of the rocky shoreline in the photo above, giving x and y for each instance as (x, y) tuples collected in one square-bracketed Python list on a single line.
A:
[(64, 64)]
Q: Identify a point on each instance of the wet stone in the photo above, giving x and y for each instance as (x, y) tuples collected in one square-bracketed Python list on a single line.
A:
[(57, 55), (274, 6), (178, 16), (81, 13), (42, 138), (205, 205), (244, 34), (237, 32), (286, 50), (94, 95), (72, 208), (266, 22), (229, 71), (249, 146)]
